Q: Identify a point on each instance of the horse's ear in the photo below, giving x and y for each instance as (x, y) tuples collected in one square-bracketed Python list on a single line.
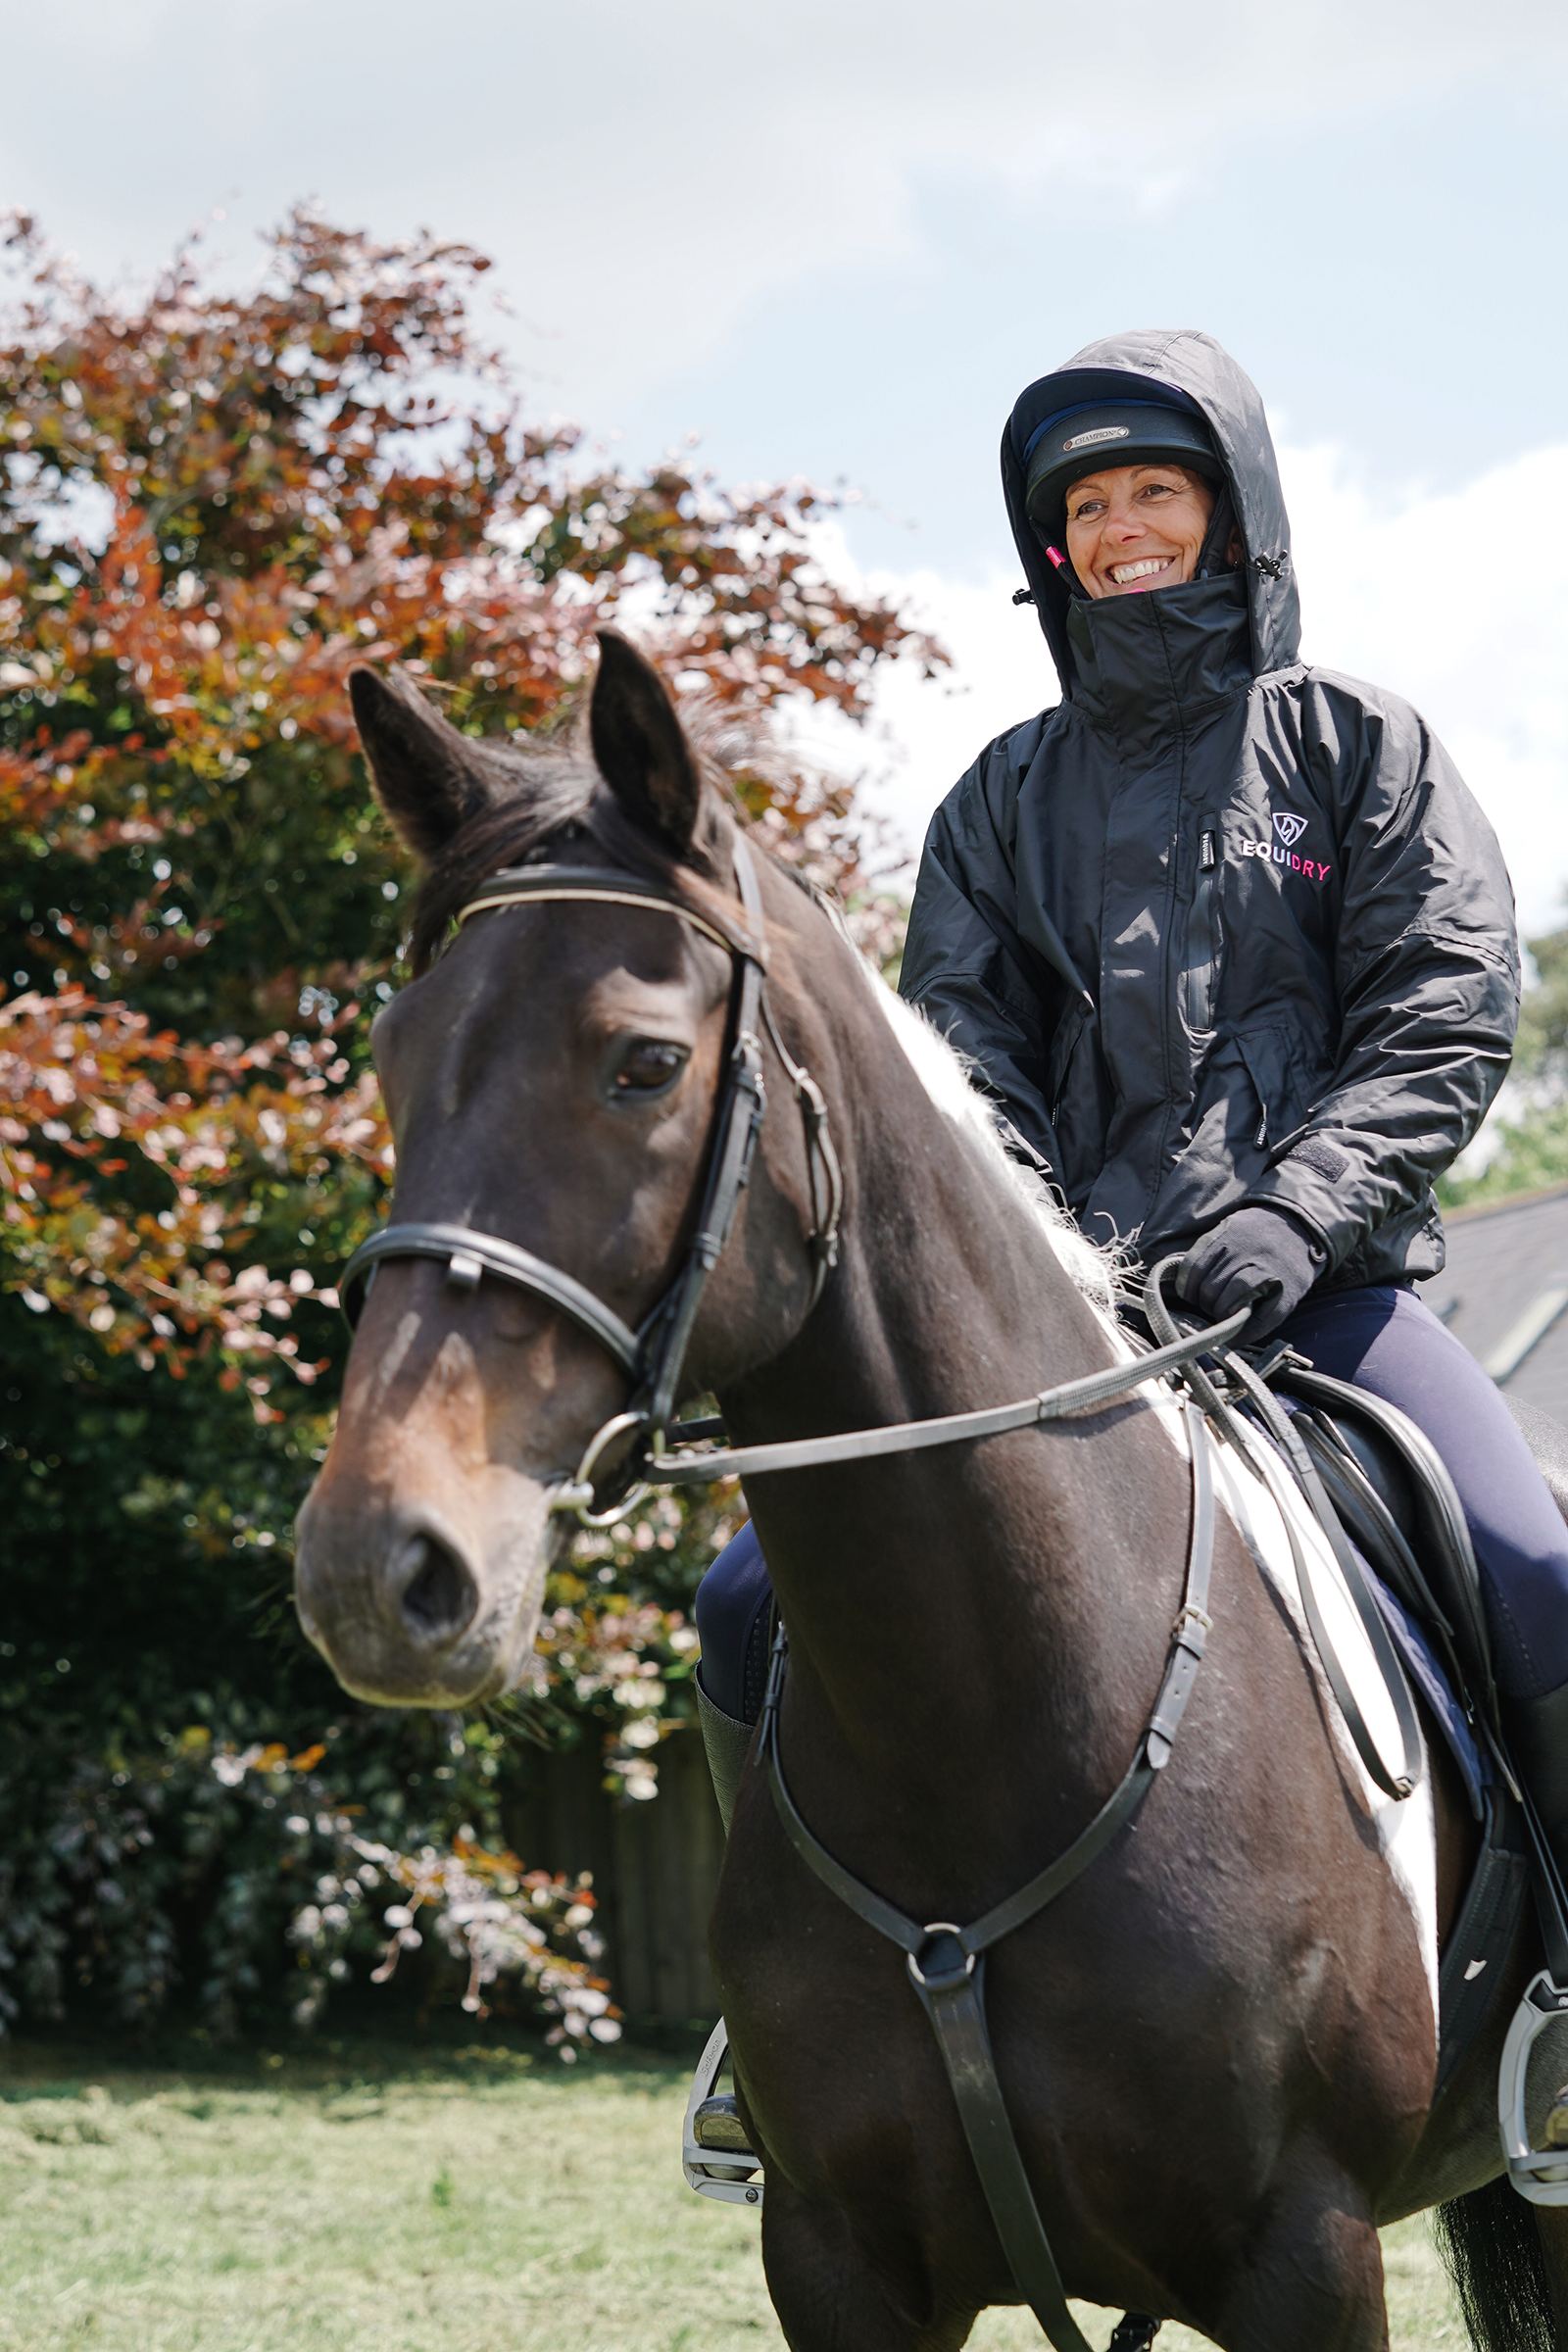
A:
[(640, 747), (428, 777)]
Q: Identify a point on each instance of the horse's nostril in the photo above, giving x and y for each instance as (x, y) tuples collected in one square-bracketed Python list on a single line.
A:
[(440, 1596)]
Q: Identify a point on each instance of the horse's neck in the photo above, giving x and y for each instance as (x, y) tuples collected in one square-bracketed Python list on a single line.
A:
[(976, 1597)]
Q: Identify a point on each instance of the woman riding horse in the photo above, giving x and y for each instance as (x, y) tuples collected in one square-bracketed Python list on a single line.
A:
[(1231, 948)]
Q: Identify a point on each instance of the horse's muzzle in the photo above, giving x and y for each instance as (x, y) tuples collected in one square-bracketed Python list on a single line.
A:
[(411, 1611)]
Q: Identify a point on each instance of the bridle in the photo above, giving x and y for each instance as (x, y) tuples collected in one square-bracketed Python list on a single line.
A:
[(653, 1357)]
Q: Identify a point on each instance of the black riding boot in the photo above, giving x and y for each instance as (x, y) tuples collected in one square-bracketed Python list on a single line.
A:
[(1537, 1741), (725, 1737), (726, 1741)]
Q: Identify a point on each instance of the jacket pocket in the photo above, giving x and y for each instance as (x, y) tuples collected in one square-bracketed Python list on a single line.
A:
[(1269, 1062), (1203, 940), (1069, 1032)]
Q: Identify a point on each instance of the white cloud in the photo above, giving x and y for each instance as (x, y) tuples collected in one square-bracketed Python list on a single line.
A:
[(1456, 603), (646, 175)]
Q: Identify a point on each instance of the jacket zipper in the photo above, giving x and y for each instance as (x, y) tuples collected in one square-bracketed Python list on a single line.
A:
[(1202, 947)]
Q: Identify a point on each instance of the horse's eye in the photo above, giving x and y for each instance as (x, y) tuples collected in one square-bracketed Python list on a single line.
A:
[(648, 1066)]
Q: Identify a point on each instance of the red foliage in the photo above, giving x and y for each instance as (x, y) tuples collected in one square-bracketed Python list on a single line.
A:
[(213, 503)]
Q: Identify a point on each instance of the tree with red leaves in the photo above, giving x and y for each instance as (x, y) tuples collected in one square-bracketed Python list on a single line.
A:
[(212, 502)]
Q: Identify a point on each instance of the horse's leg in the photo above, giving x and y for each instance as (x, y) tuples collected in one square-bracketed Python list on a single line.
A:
[(1311, 2278), (828, 2297), (1552, 2221)]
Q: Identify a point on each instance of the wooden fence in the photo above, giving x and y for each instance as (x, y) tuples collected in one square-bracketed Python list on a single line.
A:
[(655, 1867)]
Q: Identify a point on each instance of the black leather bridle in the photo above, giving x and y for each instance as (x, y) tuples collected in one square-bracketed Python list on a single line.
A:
[(653, 1355)]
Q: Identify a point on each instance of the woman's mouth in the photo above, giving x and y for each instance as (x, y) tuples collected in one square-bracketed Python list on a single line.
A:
[(1146, 573)]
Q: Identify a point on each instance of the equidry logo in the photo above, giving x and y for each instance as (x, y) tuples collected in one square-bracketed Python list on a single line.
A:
[(1290, 829)]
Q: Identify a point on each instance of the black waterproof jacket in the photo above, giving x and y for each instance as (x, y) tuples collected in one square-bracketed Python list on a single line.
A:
[(1220, 928)]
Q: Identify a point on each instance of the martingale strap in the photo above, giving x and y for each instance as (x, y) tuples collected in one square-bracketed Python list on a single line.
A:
[(946, 1962)]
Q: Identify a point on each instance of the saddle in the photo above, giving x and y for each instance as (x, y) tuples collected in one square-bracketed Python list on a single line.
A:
[(1397, 1503)]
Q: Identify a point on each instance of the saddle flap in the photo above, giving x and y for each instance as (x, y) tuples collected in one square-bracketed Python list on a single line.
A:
[(1385, 1465), (1371, 1493)]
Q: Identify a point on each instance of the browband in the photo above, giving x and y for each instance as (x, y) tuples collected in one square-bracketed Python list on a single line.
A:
[(516, 884)]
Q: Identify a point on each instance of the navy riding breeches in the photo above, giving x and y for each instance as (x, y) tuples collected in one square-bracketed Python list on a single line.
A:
[(731, 1604), (1380, 1337)]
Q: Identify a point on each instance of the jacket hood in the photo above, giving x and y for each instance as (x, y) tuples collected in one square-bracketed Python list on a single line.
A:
[(1158, 363)]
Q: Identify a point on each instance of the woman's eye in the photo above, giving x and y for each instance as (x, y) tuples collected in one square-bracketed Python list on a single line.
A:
[(649, 1066)]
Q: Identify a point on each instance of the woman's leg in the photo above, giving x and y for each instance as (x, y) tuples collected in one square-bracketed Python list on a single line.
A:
[(1382, 1338), (731, 1601)]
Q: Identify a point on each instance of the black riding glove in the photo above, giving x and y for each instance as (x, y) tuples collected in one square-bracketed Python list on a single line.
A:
[(1257, 1253)]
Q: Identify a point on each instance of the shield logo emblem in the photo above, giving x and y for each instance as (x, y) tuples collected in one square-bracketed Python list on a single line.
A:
[(1289, 828)]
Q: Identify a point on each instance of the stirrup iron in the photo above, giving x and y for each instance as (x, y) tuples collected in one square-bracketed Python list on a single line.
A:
[(1539, 2174), (715, 2156)]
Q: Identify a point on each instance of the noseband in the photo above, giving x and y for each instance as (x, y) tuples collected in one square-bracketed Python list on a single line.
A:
[(653, 1355)]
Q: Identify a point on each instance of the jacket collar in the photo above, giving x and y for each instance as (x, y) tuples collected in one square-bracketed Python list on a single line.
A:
[(1147, 664)]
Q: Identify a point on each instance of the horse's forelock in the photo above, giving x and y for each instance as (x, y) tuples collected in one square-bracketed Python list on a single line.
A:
[(557, 787)]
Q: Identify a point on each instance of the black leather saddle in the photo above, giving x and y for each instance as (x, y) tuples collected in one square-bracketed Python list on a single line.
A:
[(1397, 1503)]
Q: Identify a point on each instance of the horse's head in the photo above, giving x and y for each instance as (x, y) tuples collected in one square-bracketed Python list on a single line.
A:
[(552, 1075)]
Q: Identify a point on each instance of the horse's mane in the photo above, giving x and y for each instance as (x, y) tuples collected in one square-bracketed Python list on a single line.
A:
[(946, 1076), (560, 792)]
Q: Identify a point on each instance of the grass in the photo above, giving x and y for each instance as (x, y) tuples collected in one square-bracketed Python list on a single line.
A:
[(353, 2200)]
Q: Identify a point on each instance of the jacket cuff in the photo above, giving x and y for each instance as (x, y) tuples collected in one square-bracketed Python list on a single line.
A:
[(1307, 1184)]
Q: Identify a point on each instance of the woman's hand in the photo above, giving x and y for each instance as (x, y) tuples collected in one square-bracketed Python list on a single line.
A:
[(1257, 1253)]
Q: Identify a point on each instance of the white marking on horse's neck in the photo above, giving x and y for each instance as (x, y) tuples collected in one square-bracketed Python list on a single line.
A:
[(942, 1073)]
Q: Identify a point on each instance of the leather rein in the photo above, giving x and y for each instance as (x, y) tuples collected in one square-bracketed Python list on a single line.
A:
[(945, 1961)]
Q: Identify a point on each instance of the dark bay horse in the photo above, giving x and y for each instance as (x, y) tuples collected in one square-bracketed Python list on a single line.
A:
[(1218, 2049)]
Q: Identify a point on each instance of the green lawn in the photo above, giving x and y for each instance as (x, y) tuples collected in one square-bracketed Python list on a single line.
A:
[(354, 2201)]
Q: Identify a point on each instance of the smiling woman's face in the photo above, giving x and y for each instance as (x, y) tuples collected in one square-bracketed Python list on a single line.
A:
[(1134, 527)]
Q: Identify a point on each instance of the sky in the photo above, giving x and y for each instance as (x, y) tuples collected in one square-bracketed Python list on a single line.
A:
[(835, 240)]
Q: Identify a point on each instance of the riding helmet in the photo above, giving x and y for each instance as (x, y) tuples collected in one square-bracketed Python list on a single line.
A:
[(1125, 432)]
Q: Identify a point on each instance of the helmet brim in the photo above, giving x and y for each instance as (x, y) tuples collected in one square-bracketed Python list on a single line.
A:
[(1086, 440)]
